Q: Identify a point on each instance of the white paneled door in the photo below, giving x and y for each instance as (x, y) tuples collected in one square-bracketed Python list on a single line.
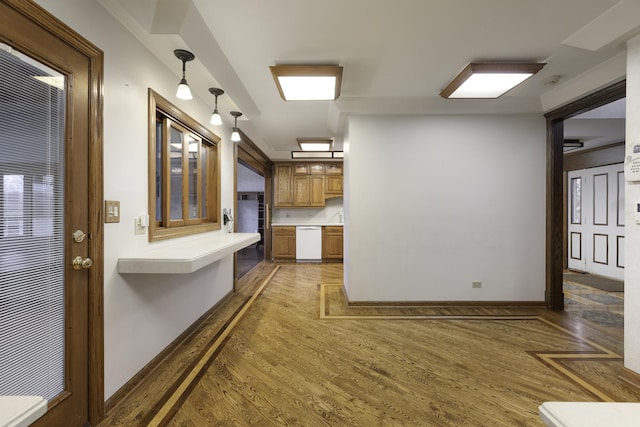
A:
[(596, 221)]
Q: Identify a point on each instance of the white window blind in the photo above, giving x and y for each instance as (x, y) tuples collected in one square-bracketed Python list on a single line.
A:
[(32, 124)]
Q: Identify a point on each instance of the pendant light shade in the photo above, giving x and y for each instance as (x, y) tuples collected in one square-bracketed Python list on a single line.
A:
[(235, 135), (216, 119), (184, 92)]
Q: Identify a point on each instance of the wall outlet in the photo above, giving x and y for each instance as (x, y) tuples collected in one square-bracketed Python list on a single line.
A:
[(476, 284)]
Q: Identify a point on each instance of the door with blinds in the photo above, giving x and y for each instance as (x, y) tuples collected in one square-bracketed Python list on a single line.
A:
[(46, 232), (596, 221)]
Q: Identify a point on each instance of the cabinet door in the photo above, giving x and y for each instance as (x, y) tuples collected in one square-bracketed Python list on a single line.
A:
[(316, 191), (283, 191), (316, 168), (333, 168), (284, 242), (301, 191), (301, 168), (333, 185), (332, 243)]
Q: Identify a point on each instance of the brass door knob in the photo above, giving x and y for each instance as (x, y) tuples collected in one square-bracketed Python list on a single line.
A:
[(80, 263)]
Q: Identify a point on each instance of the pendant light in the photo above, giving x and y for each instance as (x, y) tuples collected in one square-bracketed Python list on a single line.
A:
[(216, 119), (183, 88), (235, 135)]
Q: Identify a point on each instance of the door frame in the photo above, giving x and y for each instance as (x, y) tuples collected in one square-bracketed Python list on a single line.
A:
[(40, 17), (248, 153), (556, 205)]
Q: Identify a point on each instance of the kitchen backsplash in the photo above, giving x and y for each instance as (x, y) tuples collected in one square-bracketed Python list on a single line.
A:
[(330, 213)]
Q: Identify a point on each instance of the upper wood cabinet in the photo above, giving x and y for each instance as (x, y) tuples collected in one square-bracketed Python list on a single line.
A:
[(308, 191), (333, 185), (333, 168), (306, 184), (283, 188)]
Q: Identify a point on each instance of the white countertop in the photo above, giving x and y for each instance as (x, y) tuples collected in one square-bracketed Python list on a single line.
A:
[(307, 223), (590, 414), (18, 411), (187, 256)]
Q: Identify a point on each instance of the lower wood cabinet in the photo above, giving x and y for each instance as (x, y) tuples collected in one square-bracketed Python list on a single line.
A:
[(332, 242), (283, 242)]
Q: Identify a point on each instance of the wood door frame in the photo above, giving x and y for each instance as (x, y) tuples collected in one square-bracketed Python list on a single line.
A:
[(248, 153), (555, 242), (43, 19)]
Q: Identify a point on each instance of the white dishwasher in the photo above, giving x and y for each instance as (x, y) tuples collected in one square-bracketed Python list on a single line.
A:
[(308, 243)]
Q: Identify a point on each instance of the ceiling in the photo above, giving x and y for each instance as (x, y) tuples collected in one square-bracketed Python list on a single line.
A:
[(397, 55)]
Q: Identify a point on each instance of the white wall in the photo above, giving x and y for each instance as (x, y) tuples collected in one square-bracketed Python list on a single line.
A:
[(143, 313), (330, 213), (435, 203), (632, 231), (248, 180)]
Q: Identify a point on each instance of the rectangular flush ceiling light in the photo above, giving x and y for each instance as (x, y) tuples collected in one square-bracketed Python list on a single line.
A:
[(308, 82), (317, 155), (489, 80), (315, 144)]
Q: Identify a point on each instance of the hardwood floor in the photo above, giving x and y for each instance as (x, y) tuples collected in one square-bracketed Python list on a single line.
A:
[(289, 351)]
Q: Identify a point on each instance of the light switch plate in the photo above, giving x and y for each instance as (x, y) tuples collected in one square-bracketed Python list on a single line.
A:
[(111, 211), (138, 226)]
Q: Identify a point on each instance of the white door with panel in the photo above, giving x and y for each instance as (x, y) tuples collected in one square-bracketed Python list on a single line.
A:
[(596, 221)]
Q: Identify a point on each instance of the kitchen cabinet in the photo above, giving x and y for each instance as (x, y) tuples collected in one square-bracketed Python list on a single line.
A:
[(333, 186), (305, 185), (333, 168), (308, 191), (283, 242), (309, 168), (332, 238), (283, 188)]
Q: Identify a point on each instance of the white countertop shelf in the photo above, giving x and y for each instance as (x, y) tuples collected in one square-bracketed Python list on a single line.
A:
[(590, 414), (18, 411), (186, 257), (308, 223)]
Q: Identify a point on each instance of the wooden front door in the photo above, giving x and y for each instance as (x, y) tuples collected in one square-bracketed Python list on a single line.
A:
[(50, 228)]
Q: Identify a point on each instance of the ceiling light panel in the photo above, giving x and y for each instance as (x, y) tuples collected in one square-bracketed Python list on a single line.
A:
[(315, 144), (490, 80), (311, 155), (308, 82)]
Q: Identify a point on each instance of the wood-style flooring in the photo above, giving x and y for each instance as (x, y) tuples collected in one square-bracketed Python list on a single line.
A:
[(287, 350)]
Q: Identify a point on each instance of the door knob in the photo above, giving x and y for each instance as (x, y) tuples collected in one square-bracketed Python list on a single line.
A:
[(79, 263), (78, 236)]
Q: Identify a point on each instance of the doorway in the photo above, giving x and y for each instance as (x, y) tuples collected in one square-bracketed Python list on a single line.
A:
[(250, 216), (557, 206), (253, 189), (50, 215)]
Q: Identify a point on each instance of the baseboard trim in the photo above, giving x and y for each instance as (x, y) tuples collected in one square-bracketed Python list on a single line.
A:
[(124, 391), (501, 304), (631, 377)]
